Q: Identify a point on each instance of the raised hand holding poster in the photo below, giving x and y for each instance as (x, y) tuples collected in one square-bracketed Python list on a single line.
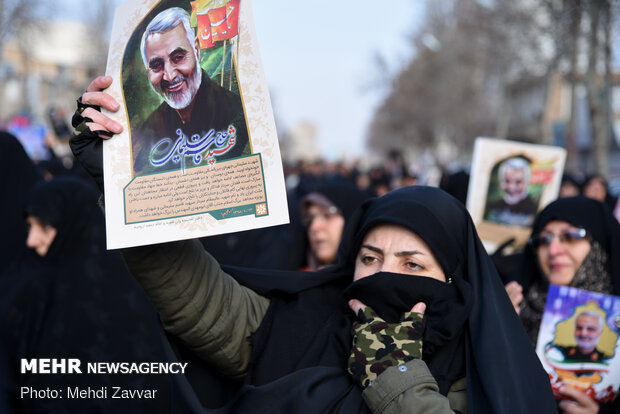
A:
[(199, 153)]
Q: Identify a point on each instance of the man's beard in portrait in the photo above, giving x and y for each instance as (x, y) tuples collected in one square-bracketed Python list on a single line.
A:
[(587, 342), (515, 198), (180, 100)]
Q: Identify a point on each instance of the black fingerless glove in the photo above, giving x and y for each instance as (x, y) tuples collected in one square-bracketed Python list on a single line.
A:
[(86, 145), (378, 345)]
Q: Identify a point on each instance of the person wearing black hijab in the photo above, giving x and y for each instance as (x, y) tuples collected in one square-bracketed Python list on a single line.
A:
[(569, 186), (456, 184), (18, 174), (291, 340), (595, 186), (75, 299), (575, 242), (324, 212)]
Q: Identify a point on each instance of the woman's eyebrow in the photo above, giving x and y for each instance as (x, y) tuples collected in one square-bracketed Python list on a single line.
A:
[(408, 253), (373, 248), (398, 254)]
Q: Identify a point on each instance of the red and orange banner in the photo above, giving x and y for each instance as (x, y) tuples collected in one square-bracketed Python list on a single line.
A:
[(216, 20), (205, 38)]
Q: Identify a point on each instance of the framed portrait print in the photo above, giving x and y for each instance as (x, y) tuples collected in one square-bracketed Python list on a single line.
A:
[(510, 182), (578, 341)]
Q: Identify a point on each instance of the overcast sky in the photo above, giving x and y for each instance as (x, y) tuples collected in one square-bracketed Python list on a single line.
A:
[(319, 60)]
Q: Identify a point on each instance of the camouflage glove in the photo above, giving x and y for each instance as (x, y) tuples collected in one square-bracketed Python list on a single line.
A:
[(86, 145), (378, 345)]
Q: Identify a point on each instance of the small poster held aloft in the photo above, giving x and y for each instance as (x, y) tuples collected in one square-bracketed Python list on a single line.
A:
[(578, 341), (199, 153), (31, 136), (510, 182)]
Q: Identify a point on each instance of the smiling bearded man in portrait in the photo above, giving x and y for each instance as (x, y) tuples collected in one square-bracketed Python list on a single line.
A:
[(195, 109)]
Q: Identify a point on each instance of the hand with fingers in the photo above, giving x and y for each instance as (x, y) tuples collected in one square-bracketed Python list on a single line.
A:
[(577, 402), (378, 345), (91, 126), (515, 293)]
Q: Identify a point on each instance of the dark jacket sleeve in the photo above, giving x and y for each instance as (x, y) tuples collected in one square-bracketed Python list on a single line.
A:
[(205, 307)]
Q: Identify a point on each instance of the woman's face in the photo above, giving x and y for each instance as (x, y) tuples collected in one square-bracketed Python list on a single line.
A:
[(595, 189), (324, 232), (568, 189), (396, 249), (40, 235), (560, 259)]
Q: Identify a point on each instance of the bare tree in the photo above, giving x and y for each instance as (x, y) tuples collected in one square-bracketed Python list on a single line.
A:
[(574, 33), (17, 18), (470, 56), (14, 15), (598, 81), (101, 14), (454, 89)]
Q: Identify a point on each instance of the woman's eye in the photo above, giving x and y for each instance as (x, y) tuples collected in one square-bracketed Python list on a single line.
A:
[(368, 260), (414, 266)]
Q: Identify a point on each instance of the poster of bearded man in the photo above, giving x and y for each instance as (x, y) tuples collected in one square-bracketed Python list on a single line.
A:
[(199, 153), (510, 182)]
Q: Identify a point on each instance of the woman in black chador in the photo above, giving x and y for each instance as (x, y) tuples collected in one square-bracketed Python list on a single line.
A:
[(71, 298), (17, 176), (575, 242)]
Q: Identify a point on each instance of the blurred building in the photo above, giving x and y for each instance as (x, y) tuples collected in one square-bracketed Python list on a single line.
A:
[(300, 143), (540, 112), (46, 68)]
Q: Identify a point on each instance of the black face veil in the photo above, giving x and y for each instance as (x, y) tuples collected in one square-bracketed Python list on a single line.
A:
[(503, 371)]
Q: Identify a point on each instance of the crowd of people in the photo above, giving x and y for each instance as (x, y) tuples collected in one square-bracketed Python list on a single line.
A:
[(379, 296)]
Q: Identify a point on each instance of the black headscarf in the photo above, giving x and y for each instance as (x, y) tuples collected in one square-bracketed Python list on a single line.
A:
[(343, 194), (600, 270), (448, 304), (340, 193), (579, 211), (604, 231), (69, 205), (308, 323), (17, 176), (610, 200), (456, 184)]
